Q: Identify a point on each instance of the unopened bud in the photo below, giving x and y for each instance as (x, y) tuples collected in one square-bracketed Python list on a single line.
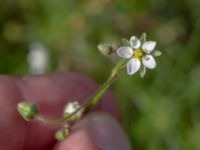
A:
[(62, 134), (70, 108), (105, 49), (27, 110)]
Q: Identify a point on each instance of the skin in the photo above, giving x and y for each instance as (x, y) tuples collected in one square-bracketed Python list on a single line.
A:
[(50, 92)]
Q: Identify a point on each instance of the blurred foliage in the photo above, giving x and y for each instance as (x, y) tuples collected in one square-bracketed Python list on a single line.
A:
[(161, 111)]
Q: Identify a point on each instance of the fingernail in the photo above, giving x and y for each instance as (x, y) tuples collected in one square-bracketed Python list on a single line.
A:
[(105, 131)]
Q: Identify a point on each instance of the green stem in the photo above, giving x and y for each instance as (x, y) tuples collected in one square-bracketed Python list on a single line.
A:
[(93, 100)]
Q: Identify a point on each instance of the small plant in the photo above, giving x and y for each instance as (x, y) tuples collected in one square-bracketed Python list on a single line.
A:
[(136, 55)]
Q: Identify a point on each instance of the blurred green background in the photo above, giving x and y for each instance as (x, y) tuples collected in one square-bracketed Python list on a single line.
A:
[(161, 111)]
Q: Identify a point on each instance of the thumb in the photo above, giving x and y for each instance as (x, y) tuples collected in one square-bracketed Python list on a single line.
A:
[(97, 131)]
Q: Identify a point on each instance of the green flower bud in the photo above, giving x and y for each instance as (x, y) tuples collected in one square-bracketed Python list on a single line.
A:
[(27, 110), (61, 134), (105, 49)]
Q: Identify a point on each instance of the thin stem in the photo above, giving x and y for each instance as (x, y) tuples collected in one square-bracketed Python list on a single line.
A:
[(93, 100), (48, 120)]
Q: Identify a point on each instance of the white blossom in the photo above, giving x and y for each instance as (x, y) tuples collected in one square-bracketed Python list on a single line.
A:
[(139, 55)]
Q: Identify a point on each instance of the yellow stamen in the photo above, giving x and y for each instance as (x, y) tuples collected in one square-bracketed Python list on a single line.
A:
[(138, 53)]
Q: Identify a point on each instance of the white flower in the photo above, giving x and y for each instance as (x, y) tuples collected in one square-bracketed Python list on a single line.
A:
[(139, 55), (70, 108)]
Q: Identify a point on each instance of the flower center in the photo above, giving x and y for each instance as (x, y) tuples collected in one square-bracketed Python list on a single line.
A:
[(137, 53)]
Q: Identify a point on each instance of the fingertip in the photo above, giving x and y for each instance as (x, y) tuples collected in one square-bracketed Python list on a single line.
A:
[(80, 139), (94, 132)]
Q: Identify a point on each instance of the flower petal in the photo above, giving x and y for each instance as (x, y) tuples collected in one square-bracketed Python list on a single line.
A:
[(149, 62), (124, 52), (135, 42), (133, 66), (149, 46)]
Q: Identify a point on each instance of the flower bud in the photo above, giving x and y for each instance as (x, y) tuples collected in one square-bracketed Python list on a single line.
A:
[(27, 110), (70, 108), (105, 49), (62, 134)]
